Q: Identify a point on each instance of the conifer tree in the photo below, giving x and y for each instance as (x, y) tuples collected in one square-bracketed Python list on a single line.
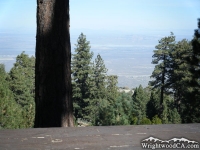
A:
[(108, 111), (82, 73), (191, 103), (153, 104), (174, 116), (100, 77), (21, 80), (169, 113), (179, 74), (161, 59), (197, 31), (91, 102), (140, 100), (98, 90), (123, 105), (112, 89), (10, 111)]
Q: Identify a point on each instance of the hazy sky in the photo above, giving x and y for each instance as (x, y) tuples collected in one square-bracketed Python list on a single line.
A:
[(117, 29), (108, 15)]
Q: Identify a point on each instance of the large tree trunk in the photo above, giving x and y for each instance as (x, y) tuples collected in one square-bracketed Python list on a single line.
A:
[(54, 107)]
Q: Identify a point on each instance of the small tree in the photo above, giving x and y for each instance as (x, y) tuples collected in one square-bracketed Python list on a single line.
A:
[(156, 120), (108, 113), (112, 89), (153, 105), (174, 116), (145, 121), (124, 106), (100, 75), (140, 100)]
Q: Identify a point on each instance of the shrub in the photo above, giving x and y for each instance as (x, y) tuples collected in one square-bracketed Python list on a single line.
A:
[(134, 120), (156, 120), (145, 121)]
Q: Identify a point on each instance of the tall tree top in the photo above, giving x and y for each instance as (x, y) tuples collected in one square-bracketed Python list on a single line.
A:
[(197, 31)]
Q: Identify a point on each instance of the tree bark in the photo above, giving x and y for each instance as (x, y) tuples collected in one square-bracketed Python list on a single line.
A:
[(54, 107)]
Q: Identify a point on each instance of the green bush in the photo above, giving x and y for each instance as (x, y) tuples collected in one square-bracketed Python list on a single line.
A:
[(134, 120), (145, 121), (156, 120)]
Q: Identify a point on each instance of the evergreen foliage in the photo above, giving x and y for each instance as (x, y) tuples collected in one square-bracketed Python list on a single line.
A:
[(174, 75), (94, 92), (140, 99), (112, 89), (153, 104), (10, 111), (108, 113), (98, 78), (179, 74), (182, 74), (169, 114), (174, 116), (134, 120), (82, 76), (161, 59), (22, 85), (123, 106), (172, 97), (156, 120), (168, 104), (191, 103), (145, 121)]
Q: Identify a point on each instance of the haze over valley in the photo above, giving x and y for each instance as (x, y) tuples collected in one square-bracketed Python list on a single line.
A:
[(126, 55), (124, 34)]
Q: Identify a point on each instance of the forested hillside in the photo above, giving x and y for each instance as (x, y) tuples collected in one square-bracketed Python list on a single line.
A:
[(173, 94)]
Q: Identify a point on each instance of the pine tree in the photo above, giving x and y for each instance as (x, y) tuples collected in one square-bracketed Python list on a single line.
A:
[(174, 116), (140, 100), (91, 101), (98, 90), (197, 31), (124, 106), (191, 103), (82, 76), (112, 89), (108, 112), (161, 59), (100, 74), (10, 111), (170, 113), (153, 104), (179, 74), (21, 80)]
